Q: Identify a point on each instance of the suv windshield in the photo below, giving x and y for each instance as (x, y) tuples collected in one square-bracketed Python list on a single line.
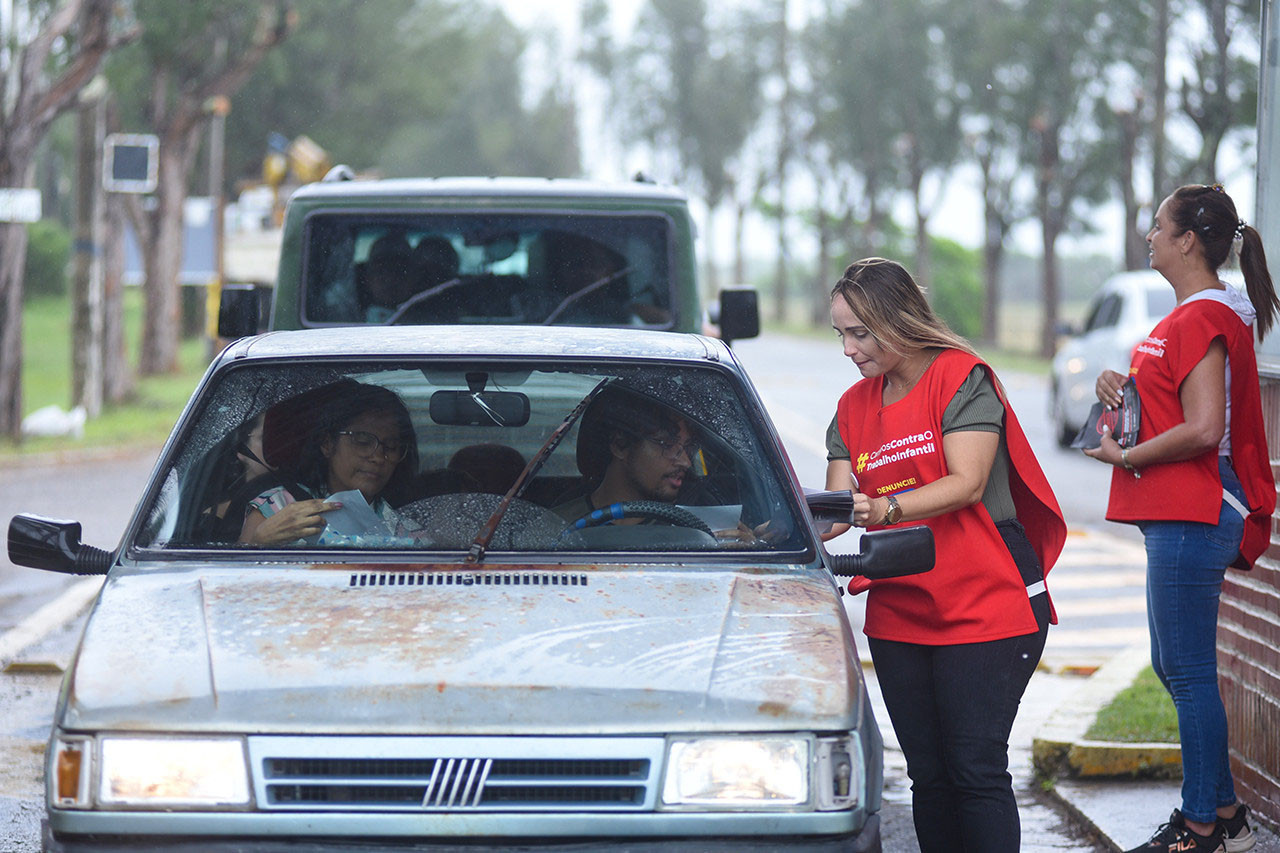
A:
[(511, 268), (413, 456)]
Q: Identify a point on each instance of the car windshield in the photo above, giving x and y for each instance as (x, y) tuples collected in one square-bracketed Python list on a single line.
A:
[(509, 268), (433, 456)]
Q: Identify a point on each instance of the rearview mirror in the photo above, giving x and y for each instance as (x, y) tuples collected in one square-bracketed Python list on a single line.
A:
[(888, 554), (480, 408)]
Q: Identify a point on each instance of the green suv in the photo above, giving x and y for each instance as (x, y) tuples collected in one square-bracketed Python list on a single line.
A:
[(478, 251)]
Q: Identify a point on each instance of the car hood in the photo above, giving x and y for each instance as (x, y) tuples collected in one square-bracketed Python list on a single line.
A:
[(481, 652)]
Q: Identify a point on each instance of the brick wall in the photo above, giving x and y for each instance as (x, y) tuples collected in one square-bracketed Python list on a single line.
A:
[(1249, 655)]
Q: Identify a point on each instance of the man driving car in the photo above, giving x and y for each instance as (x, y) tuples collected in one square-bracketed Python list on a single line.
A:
[(631, 449)]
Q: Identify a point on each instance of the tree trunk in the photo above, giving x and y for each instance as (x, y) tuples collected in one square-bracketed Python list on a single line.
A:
[(924, 269), (1049, 279), (1050, 227), (992, 265), (163, 259), (13, 255), (1135, 247), (711, 286), (780, 283), (821, 287), (992, 249), (32, 101), (118, 379), (739, 241), (86, 291), (16, 170), (1161, 87)]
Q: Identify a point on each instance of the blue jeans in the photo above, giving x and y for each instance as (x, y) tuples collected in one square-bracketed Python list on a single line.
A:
[(1186, 561)]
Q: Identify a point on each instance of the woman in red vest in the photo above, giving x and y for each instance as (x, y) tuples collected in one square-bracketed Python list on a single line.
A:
[(928, 437), (1197, 483)]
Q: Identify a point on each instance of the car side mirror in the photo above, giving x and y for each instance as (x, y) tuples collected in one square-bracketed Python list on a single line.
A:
[(54, 545), (888, 554), (239, 311), (738, 314)]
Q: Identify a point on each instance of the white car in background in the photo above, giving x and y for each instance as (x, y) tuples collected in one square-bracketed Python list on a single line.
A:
[(1120, 315)]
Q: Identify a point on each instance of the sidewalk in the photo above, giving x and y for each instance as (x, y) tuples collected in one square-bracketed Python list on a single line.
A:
[(1099, 789)]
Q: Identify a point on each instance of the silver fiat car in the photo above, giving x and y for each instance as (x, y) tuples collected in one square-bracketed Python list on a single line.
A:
[(438, 587)]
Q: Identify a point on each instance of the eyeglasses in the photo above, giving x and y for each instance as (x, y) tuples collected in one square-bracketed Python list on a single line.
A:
[(672, 449), (366, 444)]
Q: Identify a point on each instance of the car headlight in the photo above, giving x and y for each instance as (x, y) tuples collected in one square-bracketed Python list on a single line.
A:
[(195, 772), (1075, 365), (737, 772)]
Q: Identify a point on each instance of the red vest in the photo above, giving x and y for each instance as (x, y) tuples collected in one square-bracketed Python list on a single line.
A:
[(974, 592), (1191, 489)]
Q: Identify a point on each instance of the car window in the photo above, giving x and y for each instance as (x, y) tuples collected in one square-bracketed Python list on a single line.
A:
[(1105, 313), (421, 455), (597, 270)]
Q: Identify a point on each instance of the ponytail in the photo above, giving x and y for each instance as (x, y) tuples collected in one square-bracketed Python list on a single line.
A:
[(1257, 279)]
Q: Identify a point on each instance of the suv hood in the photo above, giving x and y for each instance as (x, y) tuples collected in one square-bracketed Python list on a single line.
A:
[(590, 651)]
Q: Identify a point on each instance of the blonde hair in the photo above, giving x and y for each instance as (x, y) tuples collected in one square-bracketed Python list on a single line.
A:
[(892, 306)]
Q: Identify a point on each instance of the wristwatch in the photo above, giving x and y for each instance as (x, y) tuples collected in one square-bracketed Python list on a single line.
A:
[(894, 513)]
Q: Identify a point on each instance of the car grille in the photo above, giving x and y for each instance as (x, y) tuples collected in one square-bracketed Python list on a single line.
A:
[(455, 774)]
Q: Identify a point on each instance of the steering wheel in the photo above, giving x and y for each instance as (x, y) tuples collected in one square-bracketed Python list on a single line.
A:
[(670, 513)]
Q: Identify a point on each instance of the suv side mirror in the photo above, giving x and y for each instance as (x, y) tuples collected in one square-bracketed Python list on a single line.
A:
[(239, 311), (888, 554), (738, 314), (54, 544)]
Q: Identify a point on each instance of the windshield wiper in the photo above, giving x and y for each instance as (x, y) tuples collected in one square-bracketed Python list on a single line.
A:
[(419, 298), (581, 292), (481, 542)]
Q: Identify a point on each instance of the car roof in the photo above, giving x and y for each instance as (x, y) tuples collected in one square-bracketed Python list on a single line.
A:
[(496, 187), (482, 342), (1143, 279)]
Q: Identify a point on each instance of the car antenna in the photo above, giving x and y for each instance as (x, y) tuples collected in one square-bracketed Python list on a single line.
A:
[(481, 543)]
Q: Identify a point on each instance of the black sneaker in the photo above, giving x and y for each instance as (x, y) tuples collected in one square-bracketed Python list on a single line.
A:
[(1236, 836), (1176, 837)]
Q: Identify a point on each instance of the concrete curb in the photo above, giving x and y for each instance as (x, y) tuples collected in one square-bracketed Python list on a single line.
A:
[(78, 455), (1061, 749), (38, 625)]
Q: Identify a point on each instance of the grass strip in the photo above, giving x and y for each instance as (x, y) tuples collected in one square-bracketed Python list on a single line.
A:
[(1141, 713), (146, 419)]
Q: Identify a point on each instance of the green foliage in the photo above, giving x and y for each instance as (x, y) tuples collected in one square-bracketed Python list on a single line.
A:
[(956, 291), (405, 88), (46, 380), (48, 257), (702, 84), (1141, 713)]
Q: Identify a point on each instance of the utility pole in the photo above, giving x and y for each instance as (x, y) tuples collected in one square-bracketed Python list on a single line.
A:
[(218, 107)]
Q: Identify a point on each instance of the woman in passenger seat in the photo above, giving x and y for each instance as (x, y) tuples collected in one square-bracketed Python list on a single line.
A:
[(364, 440)]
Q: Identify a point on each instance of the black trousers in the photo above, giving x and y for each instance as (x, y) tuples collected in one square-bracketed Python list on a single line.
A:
[(952, 708)]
